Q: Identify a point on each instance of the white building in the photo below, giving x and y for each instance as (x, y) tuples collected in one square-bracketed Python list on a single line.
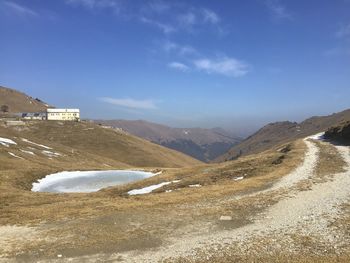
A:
[(63, 114)]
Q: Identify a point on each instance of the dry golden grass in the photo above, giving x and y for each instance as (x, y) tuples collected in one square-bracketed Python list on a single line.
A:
[(330, 160), (274, 257)]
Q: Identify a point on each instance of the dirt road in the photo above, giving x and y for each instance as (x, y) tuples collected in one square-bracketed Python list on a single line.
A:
[(307, 213)]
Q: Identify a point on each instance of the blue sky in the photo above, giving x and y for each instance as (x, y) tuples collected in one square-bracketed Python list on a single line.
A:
[(235, 64)]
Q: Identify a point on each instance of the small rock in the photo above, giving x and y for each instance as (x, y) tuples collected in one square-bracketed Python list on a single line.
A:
[(59, 255), (225, 218)]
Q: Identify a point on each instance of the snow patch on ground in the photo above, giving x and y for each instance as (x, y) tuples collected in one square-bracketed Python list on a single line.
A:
[(14, 155), (238, 178), (40, 145), (6, 142), (149, 189), (87, 181), (318, 136), (28, 152), (51, 154), (195, 185)]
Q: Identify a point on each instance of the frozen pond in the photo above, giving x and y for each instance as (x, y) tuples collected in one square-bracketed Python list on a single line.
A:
[(87, 181)]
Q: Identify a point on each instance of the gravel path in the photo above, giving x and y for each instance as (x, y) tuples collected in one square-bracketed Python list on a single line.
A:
[(303, 172), (307, 211)]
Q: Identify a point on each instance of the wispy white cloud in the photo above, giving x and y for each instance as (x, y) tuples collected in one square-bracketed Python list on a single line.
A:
[(188, 19), (226, 66), (343, 31), (277, 10), (342, 47), (182, 50), (166, 28), (169, 46), (114, 5), (210, 16), (131, 103), (159, 6), (167, 16), (19, 10), (199, 16), (178, 66), (187, 50)]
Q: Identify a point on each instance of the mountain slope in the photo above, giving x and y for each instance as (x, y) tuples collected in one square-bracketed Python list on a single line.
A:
[(202, 144), (281, 132), (19, 102)]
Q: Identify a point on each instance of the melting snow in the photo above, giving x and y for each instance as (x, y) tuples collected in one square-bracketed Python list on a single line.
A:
[(28, 152), (14, 155), (51, 154), (318, 136), (40, 145), (87, 181), (6, 142), (238, 178), (195, 185), (149, 189)]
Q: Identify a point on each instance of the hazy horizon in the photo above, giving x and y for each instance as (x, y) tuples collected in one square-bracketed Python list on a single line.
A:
[(235, 65)]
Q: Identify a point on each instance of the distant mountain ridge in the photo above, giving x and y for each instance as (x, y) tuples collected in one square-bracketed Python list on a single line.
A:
[(17, 101), (202, 144), (280, 132)]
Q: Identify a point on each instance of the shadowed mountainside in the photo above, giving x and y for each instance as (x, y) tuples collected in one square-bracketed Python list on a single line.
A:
[(339, 133), (202, 144), (280, 132)]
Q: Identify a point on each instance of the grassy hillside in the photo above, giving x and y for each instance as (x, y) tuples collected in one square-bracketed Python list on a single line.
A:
[(19, 102), (282, 132), (80, 145)]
